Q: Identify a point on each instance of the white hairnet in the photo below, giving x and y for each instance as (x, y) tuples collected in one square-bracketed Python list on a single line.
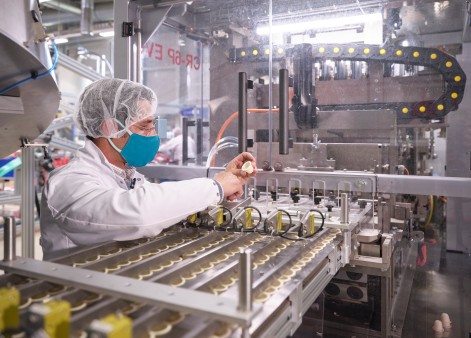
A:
[(109, 99)]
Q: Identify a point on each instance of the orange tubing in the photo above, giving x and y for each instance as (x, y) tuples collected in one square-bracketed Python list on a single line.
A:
[(232, 117)]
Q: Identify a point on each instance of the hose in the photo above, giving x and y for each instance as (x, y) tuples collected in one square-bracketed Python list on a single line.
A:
[(232, 117), (33, 76)]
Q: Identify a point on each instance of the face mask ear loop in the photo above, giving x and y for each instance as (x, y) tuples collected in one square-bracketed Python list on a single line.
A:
[(122, 125), (112, 143)]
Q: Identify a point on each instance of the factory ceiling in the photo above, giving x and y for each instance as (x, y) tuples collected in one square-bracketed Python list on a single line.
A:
[(422, 22)]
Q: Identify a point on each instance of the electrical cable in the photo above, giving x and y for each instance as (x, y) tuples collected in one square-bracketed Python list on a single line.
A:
[(224, 226), (290, 221), (430, 213), (33, 76), (290, 225), (322, 224), (196, 223), (254, 228)]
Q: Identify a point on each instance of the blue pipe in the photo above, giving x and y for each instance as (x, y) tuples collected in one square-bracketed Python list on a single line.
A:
[(32, 77)]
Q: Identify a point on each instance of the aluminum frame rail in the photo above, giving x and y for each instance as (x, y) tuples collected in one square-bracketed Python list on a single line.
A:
[(361, 182), (208, 305), (424, 185), (78, 68)]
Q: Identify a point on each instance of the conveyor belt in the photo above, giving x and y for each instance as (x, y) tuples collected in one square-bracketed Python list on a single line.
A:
[(185, 258)]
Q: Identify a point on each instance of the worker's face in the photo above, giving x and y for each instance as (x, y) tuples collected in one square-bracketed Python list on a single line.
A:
[(144, 127)]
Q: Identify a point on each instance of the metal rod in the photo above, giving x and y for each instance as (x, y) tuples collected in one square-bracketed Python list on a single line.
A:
[(138, 47), (9, 250), (86, 22), (242, 112), (199, 122), (284, 108), (184, 140), (199, 140), (344, 208), (27, 200), (270, 84), (245, 280)]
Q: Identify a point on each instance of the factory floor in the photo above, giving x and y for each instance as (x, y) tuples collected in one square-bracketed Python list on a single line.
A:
[(442, 285)]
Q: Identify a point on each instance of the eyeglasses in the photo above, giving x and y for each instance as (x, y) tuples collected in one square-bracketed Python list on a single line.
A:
[(144, 126)]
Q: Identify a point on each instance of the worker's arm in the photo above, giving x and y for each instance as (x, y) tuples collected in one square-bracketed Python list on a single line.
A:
[(90, 212)]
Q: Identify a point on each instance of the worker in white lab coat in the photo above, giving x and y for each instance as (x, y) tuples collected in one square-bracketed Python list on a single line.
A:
[(100, 197)]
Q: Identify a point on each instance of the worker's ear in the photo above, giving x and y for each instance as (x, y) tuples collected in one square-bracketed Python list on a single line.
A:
[(109, 127)]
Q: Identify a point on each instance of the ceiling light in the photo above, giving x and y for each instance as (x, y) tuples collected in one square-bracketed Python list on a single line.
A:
[(107, 34), (41, 1), (317, 24), (61, 40)]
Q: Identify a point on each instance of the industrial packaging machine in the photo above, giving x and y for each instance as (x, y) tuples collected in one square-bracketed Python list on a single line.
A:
[(252, 267), (327, 237)]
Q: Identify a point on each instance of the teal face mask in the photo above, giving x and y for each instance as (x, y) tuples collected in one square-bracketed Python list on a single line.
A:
[(139, 150)]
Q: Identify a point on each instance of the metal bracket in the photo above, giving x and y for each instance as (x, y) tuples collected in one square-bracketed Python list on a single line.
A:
[(127, 29)]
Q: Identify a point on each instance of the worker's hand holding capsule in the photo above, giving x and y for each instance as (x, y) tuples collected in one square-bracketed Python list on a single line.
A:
[(235, 166), (231, 185)]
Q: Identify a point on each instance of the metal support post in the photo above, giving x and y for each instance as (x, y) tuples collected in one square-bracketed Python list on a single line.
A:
[(138, 47), (184, 140), (124, 12), (27, 200), (284, 110), (245, 280), (199, 139), (245, 285), (344, 208), (9, 250), (242, 131)]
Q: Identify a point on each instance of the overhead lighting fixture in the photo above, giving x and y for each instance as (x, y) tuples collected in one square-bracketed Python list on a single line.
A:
[(337, 22), (61, 40), (106, 34), (41, 1), (343, 36)]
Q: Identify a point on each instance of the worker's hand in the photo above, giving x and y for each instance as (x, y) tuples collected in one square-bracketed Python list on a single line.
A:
[(231, 185), (235, 166)]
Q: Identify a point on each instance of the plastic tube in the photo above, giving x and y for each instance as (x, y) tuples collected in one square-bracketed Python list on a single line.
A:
[(234, 115), (15, 163), (209, 161), (47, 72)]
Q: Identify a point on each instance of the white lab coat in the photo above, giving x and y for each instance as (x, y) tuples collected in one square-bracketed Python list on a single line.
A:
[(86, 203)]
